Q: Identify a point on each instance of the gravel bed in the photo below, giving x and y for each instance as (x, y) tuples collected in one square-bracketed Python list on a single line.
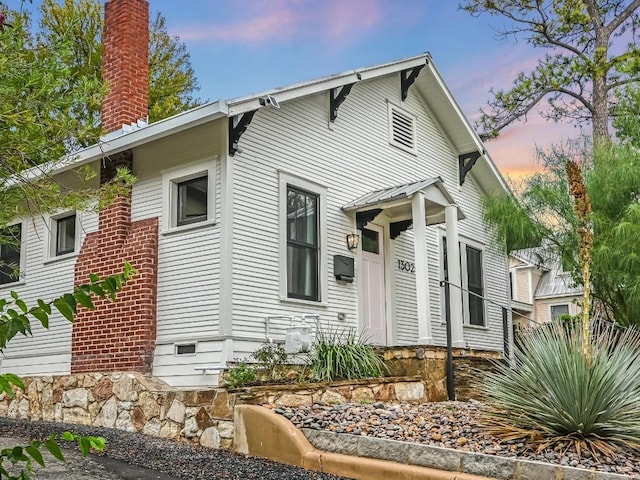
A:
[(443, 424), (169, 458)]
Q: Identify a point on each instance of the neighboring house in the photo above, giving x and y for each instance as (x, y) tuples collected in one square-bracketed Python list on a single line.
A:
[(240, 215), (541, 291)]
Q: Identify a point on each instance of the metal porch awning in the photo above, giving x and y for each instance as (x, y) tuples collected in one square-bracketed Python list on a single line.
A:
[(396, 201)]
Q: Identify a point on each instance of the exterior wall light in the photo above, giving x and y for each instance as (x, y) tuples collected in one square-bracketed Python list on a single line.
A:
[(353, 240)]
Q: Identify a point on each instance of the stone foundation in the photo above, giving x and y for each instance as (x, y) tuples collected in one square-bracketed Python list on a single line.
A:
[(139, 403)]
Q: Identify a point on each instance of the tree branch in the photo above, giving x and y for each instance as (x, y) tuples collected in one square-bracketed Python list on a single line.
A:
[(617, 21)]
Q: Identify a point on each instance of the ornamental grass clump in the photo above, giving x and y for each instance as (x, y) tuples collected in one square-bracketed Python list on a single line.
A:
[(558, 392), (340, 354)]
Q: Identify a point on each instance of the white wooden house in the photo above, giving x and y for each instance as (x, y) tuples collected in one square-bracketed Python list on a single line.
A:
[(252, 200)]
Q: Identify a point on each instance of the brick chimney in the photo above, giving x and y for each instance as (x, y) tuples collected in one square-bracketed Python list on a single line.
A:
[(120, 336), (125, 62)]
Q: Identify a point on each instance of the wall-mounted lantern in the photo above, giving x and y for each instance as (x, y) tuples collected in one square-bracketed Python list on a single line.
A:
[(353, 240)]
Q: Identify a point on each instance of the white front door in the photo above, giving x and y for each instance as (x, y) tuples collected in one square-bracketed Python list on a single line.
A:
[(374, 305)]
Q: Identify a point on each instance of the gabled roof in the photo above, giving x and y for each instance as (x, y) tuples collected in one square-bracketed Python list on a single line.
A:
[(428, 83), (398, 192)]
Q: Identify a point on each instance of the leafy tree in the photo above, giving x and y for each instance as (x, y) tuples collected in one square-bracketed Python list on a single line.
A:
[(544, 214), (593, 52), (172, 82), (42, 106)]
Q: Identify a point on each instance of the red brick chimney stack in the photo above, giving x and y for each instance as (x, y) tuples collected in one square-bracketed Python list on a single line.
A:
[(125, 62), (120, 336)]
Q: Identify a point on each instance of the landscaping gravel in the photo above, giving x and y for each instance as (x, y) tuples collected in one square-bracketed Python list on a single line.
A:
[(444, 424), (164, 459)]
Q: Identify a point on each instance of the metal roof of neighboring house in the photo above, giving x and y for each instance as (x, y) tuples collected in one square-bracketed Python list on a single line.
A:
[(554, 282), (428, 84), (535, 256)]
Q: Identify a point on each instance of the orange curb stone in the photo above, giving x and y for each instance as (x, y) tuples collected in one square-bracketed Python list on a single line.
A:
[(263, 433)]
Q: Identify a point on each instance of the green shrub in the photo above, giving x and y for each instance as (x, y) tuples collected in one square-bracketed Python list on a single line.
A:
[(273, 361), (240, 375), (558, 391), (339, 354)]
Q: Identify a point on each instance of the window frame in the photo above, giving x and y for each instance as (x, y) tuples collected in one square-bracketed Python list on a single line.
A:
[(22, 260), (463, 243), (414, 127), (51, 246), (171, 179), (552, 305), (285, 181), (466, 302)]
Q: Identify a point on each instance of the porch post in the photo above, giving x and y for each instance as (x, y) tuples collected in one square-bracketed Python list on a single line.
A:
[(422, 268), (455, 276)]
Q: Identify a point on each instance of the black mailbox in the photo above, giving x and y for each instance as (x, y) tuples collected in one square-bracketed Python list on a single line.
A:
[(343, 268)]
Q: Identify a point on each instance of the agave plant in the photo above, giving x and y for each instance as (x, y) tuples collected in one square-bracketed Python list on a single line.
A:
[(340, 354), (556, 392)]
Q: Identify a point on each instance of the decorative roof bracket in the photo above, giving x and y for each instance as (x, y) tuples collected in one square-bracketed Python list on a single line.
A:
[(396, 228), (466, 162), (237, 126), (362, 218), (407, 77), (336, 98)]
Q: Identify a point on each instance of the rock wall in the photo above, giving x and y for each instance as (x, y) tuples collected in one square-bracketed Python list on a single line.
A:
[(138, 403), (429, 363)]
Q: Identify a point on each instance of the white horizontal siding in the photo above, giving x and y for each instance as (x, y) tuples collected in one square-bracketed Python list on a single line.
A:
[(188, 260), (180, 370), (351, 157), (46, 351)]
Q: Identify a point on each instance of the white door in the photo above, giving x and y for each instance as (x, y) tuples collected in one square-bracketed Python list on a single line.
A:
[(374, 305)]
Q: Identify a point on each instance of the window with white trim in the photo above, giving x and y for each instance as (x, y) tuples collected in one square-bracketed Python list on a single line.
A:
[(63, 230), (11, 253), (303, 206), (303, 246), (472, 276), (402, 129), (189, 196), (557, 311)]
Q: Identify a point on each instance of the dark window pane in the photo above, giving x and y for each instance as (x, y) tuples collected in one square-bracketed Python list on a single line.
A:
[(192, 200), (475, 286), (302, 218), (302, 244), (302, 272), (370, 241), (10, 253), (66, 235), (558, 311)]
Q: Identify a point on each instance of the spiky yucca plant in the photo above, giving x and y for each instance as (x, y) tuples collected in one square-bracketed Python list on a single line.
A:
[(557, 394)]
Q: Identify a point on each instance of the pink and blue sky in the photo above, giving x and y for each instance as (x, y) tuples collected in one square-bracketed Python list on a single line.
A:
[(239, 48), (242, 47)]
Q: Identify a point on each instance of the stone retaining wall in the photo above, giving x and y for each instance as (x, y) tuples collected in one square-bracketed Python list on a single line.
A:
[(139, 403), (429, 363)]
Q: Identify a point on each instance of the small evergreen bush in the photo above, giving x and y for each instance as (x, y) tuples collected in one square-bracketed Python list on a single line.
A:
[(560, 391)]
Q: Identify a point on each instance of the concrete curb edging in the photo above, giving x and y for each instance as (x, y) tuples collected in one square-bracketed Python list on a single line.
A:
[(263, 433), (451, 460)]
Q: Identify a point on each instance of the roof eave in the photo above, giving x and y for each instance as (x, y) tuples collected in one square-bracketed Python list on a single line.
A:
[(154, 131)]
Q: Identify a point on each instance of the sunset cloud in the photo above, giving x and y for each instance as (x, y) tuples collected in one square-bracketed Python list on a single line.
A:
[(285, 20)]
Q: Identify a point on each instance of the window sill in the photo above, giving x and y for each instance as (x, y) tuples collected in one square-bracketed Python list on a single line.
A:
[(60, 258), (476, 327), (187, 228), (12, 284), (300, 301)]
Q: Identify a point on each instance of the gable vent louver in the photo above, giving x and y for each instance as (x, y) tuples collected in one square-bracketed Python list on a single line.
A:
[(403, 130)]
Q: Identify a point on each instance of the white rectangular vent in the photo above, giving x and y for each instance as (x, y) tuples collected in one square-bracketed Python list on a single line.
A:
[(402, 129)]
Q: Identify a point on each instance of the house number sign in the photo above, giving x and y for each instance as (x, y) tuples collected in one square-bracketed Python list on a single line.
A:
[(405, 266)]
